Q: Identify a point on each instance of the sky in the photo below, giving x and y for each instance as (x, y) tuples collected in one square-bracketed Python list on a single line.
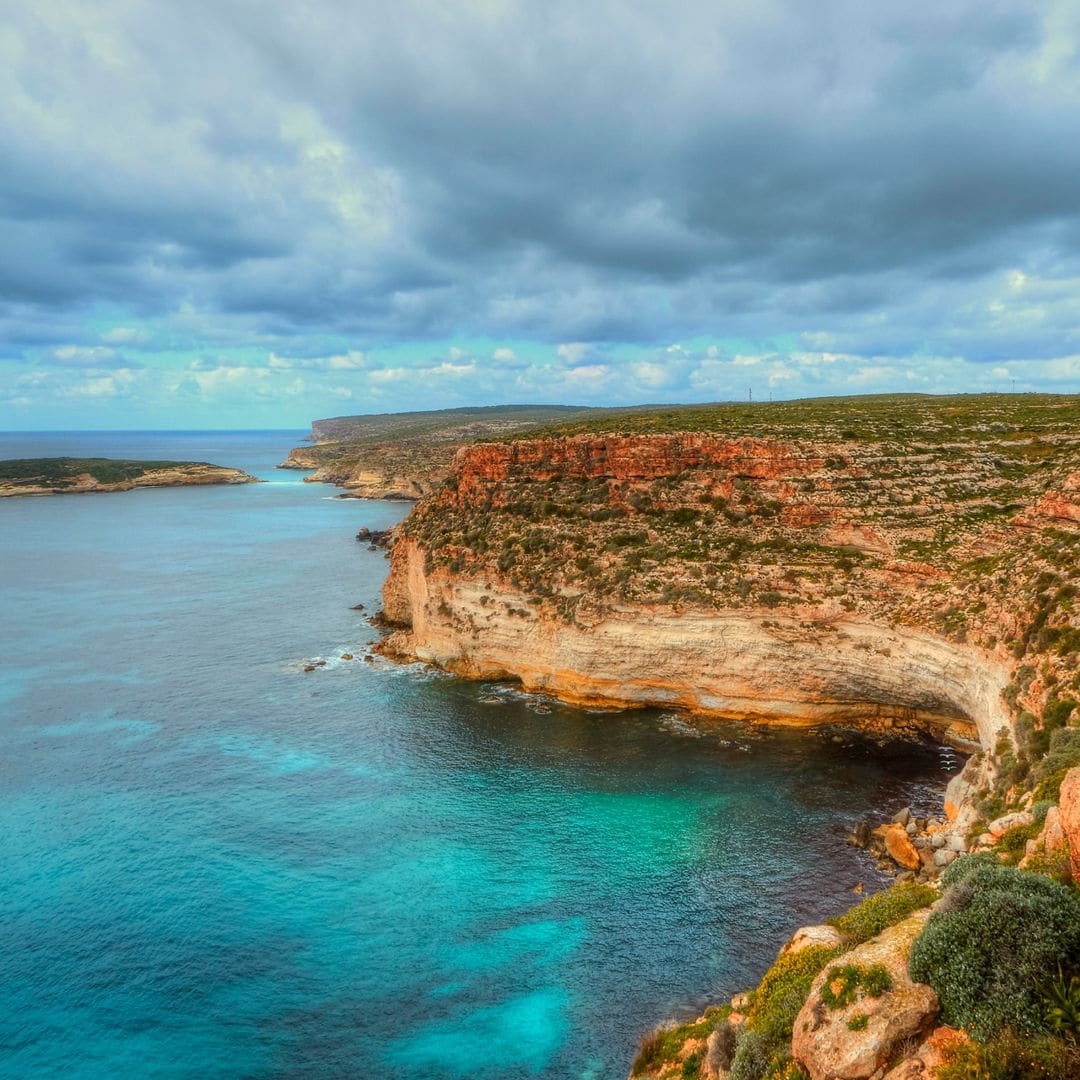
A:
[(253, 213)]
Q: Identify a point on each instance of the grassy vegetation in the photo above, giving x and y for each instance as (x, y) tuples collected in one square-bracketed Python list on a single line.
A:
[(1022, 420), (882, 910), (848, 982), (765, 1045), (664, 1044)]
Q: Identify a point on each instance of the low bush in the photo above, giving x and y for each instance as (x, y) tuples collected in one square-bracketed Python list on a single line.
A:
[(988, 951), (1064, 754), (752, 1056), (764, 1047), (1013, 843), (884, 909), (691, 1066), (783, 991), (1009, 1057)]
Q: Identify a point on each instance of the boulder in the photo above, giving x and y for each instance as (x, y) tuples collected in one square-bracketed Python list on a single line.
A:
[(902, 817), (900, 848), (822, 1041), (1069, 808), (807, 936), (1000, 826), (908, 1069), (1052, 837), (860, 835)]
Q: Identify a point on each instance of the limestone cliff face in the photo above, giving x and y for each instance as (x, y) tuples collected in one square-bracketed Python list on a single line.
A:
[(924, 587), (485, 466), (740, 664)]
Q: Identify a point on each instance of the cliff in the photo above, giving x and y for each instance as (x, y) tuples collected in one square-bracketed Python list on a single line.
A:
[(909, 571), (903, 586), (408, 455), (79, 476), (744, 663), (406, 470)]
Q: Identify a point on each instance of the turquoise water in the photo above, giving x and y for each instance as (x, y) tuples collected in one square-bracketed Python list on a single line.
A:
[(218, 865)]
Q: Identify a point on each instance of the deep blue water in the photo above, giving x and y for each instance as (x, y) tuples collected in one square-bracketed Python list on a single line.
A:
[(217, 865)]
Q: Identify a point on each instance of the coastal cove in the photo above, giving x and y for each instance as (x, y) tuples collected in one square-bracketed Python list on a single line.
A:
[(220, 864)]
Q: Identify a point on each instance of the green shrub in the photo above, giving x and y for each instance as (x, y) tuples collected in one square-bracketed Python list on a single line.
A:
[(1064, 754), (858, 1022), (1052, 864), (884, 909), (1009, 1057), (663, 1044), (988, 949), (1013, 842), (763, 1051), (752, 1056), (963, 868), (691, 1067)]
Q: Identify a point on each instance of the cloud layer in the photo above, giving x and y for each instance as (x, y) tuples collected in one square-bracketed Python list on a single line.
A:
[(209, 208)]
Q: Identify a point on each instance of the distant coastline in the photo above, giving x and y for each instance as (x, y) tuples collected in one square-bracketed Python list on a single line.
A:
[(81, 476)]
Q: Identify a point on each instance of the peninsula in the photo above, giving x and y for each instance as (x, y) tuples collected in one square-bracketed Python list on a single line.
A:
[(79, 476), (903, 565)]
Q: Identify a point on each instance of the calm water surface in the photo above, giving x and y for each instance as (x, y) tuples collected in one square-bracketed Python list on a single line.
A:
[(217, 865)]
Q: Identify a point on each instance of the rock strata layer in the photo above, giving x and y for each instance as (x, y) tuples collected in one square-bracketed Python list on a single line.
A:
[(747, 665)]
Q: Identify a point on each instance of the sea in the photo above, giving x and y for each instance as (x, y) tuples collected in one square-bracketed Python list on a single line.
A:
[(216, 863)]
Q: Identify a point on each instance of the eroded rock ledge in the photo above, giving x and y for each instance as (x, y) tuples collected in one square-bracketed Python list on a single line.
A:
[(735, 664)]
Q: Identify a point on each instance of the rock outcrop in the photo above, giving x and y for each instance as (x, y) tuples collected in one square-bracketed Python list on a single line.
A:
[(807, 937), (855, 1040), (1069, 806)]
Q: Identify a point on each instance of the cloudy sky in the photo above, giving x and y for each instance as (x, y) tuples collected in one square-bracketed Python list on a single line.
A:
[(256, 212)]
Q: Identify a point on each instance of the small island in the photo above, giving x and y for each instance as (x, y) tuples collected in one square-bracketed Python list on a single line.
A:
[(78, 476)]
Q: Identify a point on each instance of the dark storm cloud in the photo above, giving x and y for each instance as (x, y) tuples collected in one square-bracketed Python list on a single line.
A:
[(614, 170)]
